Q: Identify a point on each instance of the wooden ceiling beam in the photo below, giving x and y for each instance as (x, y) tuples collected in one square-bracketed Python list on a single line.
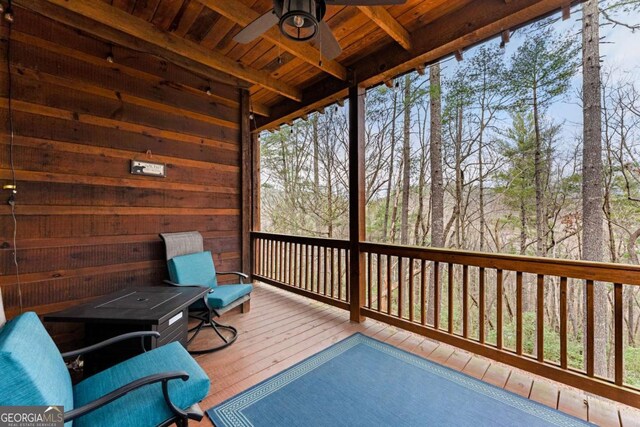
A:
[(471, 24), (383, 19), (243, 15), (170, 46)]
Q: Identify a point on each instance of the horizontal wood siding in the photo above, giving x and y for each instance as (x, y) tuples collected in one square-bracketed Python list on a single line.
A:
[(86, 226)]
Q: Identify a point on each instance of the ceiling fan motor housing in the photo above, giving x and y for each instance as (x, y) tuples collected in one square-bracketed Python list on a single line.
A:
[(299, 19)]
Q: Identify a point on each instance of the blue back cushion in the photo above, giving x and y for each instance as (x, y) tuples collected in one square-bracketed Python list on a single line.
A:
[(193, 269), (31, 367)]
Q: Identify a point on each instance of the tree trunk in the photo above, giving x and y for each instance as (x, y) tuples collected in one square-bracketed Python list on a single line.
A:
[(538, 178), (316, 167), (457, 210), (387, 202), (437, 186), (483, 223), (419, 225), (406, 170), (592, 197)]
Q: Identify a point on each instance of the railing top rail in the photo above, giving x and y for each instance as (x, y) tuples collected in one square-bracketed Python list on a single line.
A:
[(317, 241), (588, 270)]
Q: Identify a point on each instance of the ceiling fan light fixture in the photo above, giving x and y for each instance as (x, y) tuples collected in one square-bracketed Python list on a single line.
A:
[(299, 20)]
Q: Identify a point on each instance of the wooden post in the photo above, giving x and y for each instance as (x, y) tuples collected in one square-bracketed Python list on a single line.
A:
[(247, 179), (255, 191), (356, 201)]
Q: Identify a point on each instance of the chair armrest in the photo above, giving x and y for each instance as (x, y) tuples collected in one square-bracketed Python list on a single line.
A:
[(169, 282), (237, 273), (118, 393), (105, 343)]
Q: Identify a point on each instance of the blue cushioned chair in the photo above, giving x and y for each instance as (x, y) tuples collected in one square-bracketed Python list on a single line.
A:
[(190, 265), (156, 388)]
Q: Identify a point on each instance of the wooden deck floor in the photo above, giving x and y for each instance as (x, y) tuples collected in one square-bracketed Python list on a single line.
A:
[(283, 329)]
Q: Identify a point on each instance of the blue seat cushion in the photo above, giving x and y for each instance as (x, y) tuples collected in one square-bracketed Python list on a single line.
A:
[(224, 295), (193, 269), (145, 406), (32, 371)]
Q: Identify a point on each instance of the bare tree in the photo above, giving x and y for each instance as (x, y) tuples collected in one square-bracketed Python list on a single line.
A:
[(592, 192)]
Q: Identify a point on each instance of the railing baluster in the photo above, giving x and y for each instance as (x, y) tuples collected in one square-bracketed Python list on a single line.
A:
[(325, 261), (450, 298), (318, 274), (347, 273), (267, 245), (291, 267), (274, 259), (305, 267), (369, 280), (465, 301), (590, 329), (388, 284), (313, 268), (332, 271), (499, 308), (423, 291), (540, 318), (481, 305), (308, 263), (270, 265), (281, 256), (618, 334), (379, 280), (400, 288), (296, 264), (519, 312), (436, 294), (340, 291), (411, 290), (563, 322), (258, 257)]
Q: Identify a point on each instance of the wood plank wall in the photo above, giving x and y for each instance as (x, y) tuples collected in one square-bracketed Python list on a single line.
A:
[(87, 227)]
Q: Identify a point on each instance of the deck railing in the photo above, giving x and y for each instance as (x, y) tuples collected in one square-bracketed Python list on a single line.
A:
[(314, 267), (444, 295)]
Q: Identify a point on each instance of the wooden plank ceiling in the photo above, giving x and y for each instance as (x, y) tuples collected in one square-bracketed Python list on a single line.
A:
[(288, 79)]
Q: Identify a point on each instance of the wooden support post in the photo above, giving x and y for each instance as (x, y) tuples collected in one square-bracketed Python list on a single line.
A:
[(246, 149), (356, 201)]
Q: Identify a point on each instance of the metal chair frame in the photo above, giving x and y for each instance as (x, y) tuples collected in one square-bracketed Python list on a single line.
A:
[(206, 315)]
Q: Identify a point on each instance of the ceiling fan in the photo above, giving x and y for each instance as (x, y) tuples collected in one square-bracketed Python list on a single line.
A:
[(301, 20)]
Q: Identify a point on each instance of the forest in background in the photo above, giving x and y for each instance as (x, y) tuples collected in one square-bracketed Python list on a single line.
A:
[(528, 148)]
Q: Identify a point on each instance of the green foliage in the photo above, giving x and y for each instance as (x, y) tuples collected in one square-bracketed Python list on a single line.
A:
[(542, 68)]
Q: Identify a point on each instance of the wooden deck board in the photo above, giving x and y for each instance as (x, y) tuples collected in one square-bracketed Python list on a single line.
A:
[(602, 413), (545, 393), (519, 383), (458, 360), (283, 329), (573, 403), (476, 367)]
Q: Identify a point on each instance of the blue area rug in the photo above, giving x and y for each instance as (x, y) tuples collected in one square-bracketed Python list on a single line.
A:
[(361, 381)]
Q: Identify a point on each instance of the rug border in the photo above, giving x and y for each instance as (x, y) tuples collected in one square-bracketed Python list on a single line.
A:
[(545, 408)]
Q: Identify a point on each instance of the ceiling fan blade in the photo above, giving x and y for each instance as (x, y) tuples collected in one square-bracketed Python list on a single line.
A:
[(364, 2), (326, 42), (257, 28)]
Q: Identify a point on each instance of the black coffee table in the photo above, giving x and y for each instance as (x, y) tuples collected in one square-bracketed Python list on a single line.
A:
[(153, 308)]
